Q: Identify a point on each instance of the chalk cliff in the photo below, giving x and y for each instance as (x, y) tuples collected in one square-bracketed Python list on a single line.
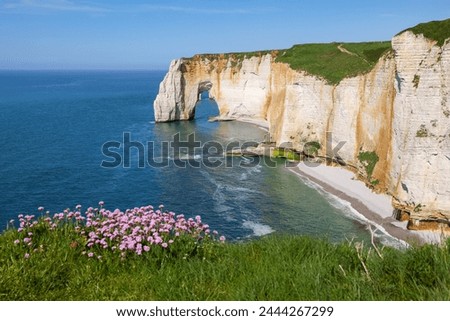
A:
[(394, 120)]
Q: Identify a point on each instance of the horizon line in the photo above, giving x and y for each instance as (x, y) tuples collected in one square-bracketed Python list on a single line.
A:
[(80, 69)]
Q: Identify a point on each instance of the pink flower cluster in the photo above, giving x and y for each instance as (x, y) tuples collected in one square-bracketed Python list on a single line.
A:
[(136, 230), (26, 225), (139, 229)]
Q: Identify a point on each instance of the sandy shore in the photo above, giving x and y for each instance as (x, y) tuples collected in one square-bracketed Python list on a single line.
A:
[(261, 123), (376, 208)]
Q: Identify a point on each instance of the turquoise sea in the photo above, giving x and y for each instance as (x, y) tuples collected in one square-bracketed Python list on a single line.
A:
[(54, 124)]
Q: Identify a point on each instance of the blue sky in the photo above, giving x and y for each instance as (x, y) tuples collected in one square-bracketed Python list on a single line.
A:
[(64, 34)]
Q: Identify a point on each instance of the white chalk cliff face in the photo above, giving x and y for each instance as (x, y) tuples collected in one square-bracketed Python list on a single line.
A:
[(399, 111), (420, 165)]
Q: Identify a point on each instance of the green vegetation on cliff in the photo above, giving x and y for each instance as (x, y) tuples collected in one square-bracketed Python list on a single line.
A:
[(334, 61), (235, 57), (286, 153), (438, 31), (368, 160), (330, 61)]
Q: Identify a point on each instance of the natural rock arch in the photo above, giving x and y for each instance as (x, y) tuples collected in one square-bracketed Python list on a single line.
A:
[(202, 87)]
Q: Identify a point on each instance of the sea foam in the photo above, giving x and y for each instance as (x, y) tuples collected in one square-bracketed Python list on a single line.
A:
[(258, 228)]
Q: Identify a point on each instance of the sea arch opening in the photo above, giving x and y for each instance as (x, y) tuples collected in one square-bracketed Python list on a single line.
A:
[(203, 89), (206, 105)]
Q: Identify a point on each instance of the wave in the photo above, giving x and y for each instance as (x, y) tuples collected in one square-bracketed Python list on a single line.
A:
[(256, 169), (258, 228), (240, 190), (246, 160), (347, 209)]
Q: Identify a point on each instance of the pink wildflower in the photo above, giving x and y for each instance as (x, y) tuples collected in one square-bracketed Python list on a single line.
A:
[(26, 255), (222, 239), (134, 230), (101, 203), (40, 208)]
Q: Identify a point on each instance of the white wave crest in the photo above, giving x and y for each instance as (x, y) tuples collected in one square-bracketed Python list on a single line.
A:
[(350, 212), (258, 228)]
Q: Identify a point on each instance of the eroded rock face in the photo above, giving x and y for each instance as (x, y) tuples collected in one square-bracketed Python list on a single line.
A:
[(173, 101), (398, 113), (420, 168)]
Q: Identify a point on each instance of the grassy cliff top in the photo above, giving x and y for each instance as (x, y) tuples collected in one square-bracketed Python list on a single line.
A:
[(438, 31), (330, 61), (334, 61), (235, 55)]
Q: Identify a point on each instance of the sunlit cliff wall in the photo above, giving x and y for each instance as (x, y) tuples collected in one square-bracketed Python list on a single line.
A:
[(398, 113)]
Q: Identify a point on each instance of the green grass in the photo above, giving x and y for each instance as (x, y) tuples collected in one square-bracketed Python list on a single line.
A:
[(311, 148), (272, 268), (286, 153), (236, 55), (368, 160), (328, 62), (438, 31), (324, 60), (236, 58), (246, 55)]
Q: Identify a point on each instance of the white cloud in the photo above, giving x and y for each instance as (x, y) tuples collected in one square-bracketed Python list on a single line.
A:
[(51, 5), (92, 7), (203, 10)]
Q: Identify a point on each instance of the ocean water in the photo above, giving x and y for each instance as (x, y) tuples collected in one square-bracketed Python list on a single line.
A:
[(54, 125)]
